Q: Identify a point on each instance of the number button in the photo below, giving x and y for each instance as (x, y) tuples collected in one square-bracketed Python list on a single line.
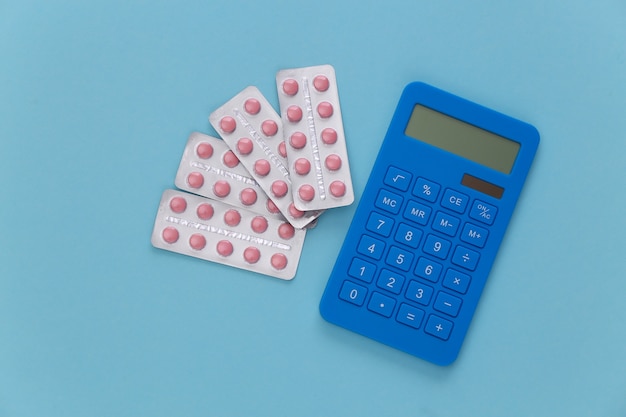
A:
[(474, 235), (399, 258), (465, 257), (410, 316), (425, 189), (353, 293), (362, 270), (417, 213), (446, 224), (454, 201), (438, 327), (419, 293), (398, 178), (447, 304), (390, 281), (381, 304), (428, 269), (456, 281), (371, 247), (483, 212), (379, 224), (437, 247), (408, 235), (388, 201)]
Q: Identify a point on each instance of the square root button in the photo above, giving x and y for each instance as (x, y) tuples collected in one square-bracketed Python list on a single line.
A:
[(398, 178)]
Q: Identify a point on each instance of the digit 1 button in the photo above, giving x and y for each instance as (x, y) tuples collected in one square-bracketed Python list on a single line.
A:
[(362, 270), (381, 304), (353, 293), (398, 178)]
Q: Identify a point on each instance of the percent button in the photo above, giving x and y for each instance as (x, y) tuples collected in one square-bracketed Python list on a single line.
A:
[(426, 190)]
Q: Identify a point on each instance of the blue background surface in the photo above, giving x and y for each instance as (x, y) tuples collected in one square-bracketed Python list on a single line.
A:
[(96, 102)]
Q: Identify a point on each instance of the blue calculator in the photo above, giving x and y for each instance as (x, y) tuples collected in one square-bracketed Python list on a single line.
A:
[(429, 224)]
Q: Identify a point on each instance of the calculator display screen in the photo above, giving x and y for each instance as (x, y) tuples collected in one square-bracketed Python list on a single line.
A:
[(462, 139)]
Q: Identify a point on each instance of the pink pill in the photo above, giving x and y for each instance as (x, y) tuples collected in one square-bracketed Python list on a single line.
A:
[(297, 140), (197, 241), (252, 106), (221, 188), (224, 248), (282, 149), (244, 146), (286, 231), (170, 234), (294, 114), (329, 136), (302, 166), (205, 211), (271, 207), (204, 150), (195, 180), (178, 204), (321, 83), (228, 124), (230, 159), (232, 217), (306, 192), (262, 167), (269, 127), (337, 188), (333, 162), (294, 212), (251, 255), (279, 188), (248, 196), (290, 87), (325, 109), (259, 224), (279, 261)]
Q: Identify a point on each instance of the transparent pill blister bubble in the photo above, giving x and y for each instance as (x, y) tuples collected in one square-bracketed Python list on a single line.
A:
[(214, 231), (210, 169), (254, 132), (314, 137)]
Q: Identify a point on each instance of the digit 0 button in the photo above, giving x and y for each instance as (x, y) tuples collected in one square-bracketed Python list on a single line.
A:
[(353, 293)]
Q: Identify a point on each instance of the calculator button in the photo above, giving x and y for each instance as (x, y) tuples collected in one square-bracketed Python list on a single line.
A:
[(437, 246), (408, 235), (379, 224), (465, 257), (447, 304), (446, 224), (438, 327), (483, 212), (416, 212), (419, 293), (474, 235), (428, 269), (388, 201), (456, 281), (399, 258), (381, 304), (362, 270), (371, 247), (353, 293), (454, 201), (398, 178), (390, 281), (410, 316), (425, 189)]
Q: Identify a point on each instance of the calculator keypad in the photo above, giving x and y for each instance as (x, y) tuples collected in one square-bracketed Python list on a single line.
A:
[(417, 252)]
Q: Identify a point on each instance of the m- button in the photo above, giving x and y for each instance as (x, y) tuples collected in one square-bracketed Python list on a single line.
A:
[(388, 201)]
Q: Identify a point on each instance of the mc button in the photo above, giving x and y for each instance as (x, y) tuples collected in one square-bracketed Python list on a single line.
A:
[(388, 201)]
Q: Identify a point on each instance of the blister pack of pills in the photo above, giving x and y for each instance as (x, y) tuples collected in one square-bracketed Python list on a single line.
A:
[(209, 168), (212, 230), (253, 130), (314, 135)]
